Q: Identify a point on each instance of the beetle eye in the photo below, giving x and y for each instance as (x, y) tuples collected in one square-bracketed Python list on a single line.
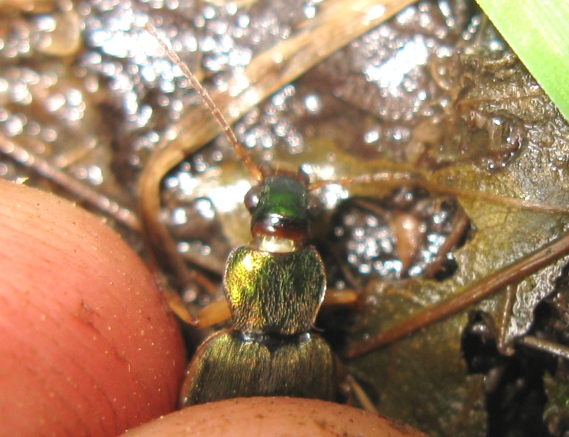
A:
[(314, 206), (252, 198)]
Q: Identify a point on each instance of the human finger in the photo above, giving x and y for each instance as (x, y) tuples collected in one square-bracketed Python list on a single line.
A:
[(86, 343), (271, 417)]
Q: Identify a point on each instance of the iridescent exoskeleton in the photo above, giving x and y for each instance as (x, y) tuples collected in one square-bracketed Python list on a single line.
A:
[(274, 287)]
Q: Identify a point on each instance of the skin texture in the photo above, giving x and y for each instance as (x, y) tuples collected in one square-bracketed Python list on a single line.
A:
[(87, 345), (272, 417)]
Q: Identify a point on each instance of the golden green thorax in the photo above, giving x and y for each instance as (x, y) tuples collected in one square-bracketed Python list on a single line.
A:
[(274, 293)]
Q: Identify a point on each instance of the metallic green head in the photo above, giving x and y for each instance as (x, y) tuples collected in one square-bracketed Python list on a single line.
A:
[(280, 206)]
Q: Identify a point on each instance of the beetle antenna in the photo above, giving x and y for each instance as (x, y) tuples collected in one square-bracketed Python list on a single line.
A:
[(251, 166), (389, 177), (398, 179)]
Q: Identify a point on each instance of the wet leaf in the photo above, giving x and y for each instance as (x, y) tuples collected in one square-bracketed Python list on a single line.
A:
[(508, 98)]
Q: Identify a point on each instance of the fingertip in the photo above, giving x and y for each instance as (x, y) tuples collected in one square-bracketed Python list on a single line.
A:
[(272, 417), (87, 344)]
